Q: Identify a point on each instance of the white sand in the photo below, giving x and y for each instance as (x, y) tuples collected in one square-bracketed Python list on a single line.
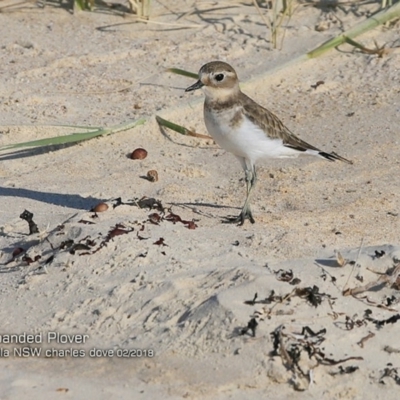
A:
[(186, 300)]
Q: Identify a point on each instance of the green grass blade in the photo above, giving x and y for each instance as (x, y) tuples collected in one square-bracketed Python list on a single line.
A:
[(180, 129), (353, 43), (370, 23), (80, 4), (74, 137), (175, 127), (183, 73)]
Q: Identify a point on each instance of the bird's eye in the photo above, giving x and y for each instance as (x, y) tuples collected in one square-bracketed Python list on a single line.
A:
[(219, 77)]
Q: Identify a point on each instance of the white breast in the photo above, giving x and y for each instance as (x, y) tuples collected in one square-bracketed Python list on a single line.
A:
[(244, 140)]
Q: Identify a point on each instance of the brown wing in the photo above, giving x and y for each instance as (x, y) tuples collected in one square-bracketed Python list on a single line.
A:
[(275, 129)]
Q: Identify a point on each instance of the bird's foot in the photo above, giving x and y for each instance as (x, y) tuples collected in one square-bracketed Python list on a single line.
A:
[(245, 214)]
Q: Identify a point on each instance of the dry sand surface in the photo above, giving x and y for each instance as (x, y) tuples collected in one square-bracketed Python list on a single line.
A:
[(130, 280)]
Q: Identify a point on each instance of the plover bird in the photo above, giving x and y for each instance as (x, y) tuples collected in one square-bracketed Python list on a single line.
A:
[(244, 128)]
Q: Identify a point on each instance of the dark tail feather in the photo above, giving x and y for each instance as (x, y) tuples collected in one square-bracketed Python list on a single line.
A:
[(333, 157)]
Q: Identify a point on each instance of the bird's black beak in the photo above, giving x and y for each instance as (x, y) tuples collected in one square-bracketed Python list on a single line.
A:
[(198, 85)]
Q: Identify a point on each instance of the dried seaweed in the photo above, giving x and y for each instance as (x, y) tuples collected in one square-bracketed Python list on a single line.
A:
[(284, 276), (307, 330), (148, 202), (155, 218), (144, 202), (252, 302), (83, 221), (28, 217), (30, 260), (379, 323), (354, 323), (252, 326), (160, 242), (343, 371), (272, 298), (390, 350), (379, 254), (174, 218), (66, 244), (79, 247), (365, 338), (311, 294), (290, 346), (49, 260), (118, 230), (390, 278), (391, 372)]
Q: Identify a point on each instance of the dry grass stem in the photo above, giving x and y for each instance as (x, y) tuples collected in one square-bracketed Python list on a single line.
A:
[(379, 51), (389, 279)]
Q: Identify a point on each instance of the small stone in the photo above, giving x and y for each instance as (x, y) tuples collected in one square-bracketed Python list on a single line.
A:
[(100, 207), (139, 154), (152, 175)]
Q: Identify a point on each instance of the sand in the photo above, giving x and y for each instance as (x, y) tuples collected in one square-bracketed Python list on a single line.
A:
[(166, 307)]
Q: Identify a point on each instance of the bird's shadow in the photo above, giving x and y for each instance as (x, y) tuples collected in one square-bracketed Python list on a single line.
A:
[(203, 205), (35, 151), (58, 199)]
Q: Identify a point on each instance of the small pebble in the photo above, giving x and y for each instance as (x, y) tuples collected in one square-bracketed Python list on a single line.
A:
[(152, 175), (100, 207), (139, 154)]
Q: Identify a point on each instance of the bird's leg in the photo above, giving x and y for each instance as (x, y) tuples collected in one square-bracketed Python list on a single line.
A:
[(251, 179)]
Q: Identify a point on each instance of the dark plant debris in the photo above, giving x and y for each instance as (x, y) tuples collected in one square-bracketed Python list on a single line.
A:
[(391, 350), (83, 221), (118, 230), (343, 371), (251, 326), (49, 260), (379, 323), (155, 218), (379, 254), (66, 244), (391, 372), (318, 83), (79, 247), (28, 217), (311, 294), (144, 202), (391, 278), (160, 242), (293, 346), (308, 331), (268, 300), (30, 260), (284, 276), (152, 204), (354, 323), (365, 338), (287, 276), (88, 246), (252, 302), (174, 218), (390, 300)]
